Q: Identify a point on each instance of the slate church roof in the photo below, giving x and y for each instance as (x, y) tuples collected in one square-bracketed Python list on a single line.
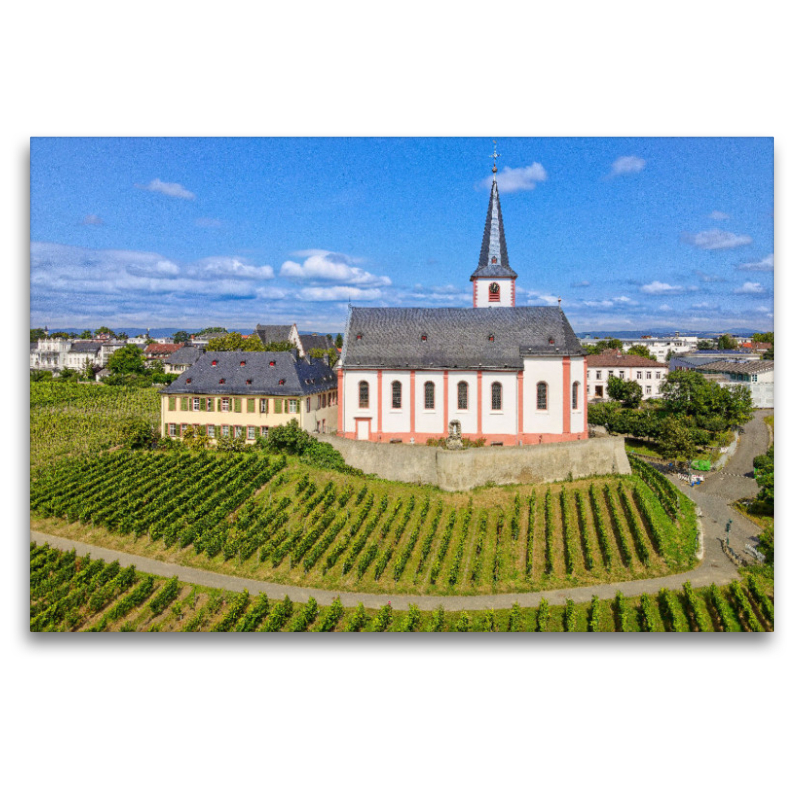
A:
[(273, 333), (455, 338), (228, 373)]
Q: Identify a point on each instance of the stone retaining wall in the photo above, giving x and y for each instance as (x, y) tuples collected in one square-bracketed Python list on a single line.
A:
[(461, 470)]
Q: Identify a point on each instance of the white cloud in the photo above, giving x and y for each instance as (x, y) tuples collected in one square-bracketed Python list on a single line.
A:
[(625, 300), (750, 288), (580, 284), (518, 179), (322, 266), (657, 287), (627, 165), (766, 264), (716, 239), (208, 222), (234, 267), (169, 189), (318, 294), (665, 307), (91, 219), (718, 215)]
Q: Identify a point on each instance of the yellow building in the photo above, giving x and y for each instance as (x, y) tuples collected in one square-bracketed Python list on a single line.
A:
[(244, 394)]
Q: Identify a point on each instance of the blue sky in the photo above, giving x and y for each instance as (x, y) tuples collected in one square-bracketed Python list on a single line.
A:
[(632, 233)]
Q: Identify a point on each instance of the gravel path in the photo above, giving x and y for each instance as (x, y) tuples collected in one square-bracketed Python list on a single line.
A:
[(712, 498)]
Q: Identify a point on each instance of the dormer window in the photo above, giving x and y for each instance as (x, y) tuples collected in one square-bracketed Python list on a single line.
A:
[(491, 337), (242, 363), (359, 335), (282, 381), (494, 259), (272, 363), (214, 363), (188, 380), (551, 340), (222, 380), (248, 381), (424, 337)]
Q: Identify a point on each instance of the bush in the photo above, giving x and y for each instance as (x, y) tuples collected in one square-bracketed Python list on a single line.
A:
[(292, 439)]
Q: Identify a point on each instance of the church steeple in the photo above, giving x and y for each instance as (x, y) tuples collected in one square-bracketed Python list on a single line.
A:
[(493, 258)]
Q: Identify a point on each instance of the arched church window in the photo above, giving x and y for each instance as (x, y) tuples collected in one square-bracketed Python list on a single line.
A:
[(397, 394), (463, 395), (576, 387), (363, 394), (541, 396), (497, 396), (430, 395)]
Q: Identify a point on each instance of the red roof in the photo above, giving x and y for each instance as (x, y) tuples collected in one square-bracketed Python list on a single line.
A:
[(613, 358), (162, 349)]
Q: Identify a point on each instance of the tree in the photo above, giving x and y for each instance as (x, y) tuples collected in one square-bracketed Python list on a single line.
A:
[(87, 373), (769, 355), (60, 335), (676, 442), (138, 433), (181, 337), (705, 344), (128, 360), (726, 342), (103, 329), (629, 393), (212, 332), (766, 544), (641, 350), (764, 337), (235, 341), (339, 341), (37, 333), (603, 345), (87, 334)]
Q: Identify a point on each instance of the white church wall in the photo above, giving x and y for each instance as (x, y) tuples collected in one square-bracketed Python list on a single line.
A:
[(396, 420), (577, 414), (506, 292), (505, 420), (549, 370), (467, 417), (429, 420), (351, 410)]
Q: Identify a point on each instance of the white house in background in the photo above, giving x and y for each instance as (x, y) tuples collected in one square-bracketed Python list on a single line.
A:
[(82, 353), (182, 359), (509, 375), (659, 346), (758, 376), (648, 374)]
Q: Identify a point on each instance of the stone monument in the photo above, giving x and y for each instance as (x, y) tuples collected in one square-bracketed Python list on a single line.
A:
[(454, 437)]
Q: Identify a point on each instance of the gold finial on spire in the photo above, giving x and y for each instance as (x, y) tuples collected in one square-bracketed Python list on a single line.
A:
[(495, 156)]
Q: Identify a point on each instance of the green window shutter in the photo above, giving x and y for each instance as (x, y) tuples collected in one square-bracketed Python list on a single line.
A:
[(171, 403), (237, 404), (278, 404), (184, 403), (166, 424), (219, 404), (251, 405)]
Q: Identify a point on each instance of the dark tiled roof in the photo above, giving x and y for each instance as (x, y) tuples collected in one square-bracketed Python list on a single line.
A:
[(315, 340), (456, 337), (186, 355), (613, 358), (494, 243), (300, 376), (737, 367), (85, 347), (273, 333)]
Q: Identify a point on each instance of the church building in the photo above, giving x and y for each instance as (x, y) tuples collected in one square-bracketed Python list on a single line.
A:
[(510, 375)]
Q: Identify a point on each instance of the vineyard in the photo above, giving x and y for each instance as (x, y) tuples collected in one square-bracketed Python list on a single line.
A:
[(71, 593), (82, 419), (276, 519)]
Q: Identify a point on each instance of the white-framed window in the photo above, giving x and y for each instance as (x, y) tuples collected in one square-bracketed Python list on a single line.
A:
[(463, 395), (363, 394), (497, 396), (397, 394), (541, 396), (251, 431), (262, 406), (293, 406), (209, 403), (308, 404), (638, 375), (576, 389), (599, 374), (648, 389), (430, 395), (622, 373), (226, 430), (184, 426), (226, 404), (211, 431), (237, 431), (649, 375), (195, 404), (173, 429), (658, 375), (265, 430)]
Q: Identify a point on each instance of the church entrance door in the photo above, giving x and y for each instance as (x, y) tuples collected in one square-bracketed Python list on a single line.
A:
[(362, 429)]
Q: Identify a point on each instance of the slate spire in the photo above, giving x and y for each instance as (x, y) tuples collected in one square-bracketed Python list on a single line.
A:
[(493, 259)]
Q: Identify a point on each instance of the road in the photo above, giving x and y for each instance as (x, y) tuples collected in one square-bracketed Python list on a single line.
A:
[(712, 498)]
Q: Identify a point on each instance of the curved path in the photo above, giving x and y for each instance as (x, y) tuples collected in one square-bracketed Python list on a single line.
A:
[(712, 498)]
